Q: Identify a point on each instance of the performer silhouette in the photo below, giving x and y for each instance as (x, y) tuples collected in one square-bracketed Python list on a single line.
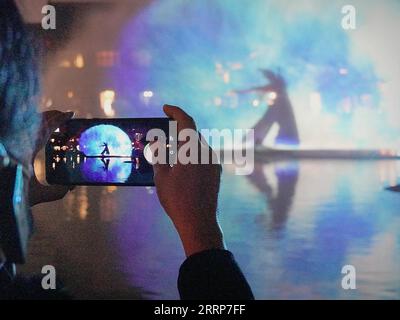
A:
[(106, 150), (280, 203), (280, 112)]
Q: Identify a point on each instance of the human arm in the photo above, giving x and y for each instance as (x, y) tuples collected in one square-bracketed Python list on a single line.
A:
[(189, 195)]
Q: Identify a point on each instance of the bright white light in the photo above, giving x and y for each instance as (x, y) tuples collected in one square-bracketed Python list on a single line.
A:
[(107, 98), (147, 94), (256, 103), (272, 95)]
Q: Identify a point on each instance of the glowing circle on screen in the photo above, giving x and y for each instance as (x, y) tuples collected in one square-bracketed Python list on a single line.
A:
[(91, 141), (105, 169)]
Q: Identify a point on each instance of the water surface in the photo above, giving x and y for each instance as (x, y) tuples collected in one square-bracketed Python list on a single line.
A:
[(292, 226)]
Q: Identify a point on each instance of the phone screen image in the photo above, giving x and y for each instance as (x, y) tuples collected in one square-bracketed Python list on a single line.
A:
[(102, 152)]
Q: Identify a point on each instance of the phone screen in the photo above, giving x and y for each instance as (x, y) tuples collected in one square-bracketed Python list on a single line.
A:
[(102, 152)]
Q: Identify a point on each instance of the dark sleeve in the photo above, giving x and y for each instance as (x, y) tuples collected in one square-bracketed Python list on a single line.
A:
[(213, 275)]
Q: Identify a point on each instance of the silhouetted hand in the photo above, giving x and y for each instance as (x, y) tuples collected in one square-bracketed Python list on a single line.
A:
[(38, 193), (189, 195), (276, 84)]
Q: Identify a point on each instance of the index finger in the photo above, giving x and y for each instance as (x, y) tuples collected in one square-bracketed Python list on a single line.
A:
[(184, 120)]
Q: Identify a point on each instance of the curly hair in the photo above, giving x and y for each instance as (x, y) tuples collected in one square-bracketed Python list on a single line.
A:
[(19, 84)]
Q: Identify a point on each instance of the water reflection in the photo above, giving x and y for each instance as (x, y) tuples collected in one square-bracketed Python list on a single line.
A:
[(278, 184), (292, 226)]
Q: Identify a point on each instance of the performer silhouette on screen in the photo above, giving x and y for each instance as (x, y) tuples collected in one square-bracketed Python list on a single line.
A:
[(280, 112), (106, 150)]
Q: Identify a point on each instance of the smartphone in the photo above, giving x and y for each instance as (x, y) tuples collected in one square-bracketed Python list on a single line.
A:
[(103, 152)]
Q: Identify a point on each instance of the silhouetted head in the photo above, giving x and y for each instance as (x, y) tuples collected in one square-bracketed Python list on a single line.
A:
[(276, 81), (19, 85)]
